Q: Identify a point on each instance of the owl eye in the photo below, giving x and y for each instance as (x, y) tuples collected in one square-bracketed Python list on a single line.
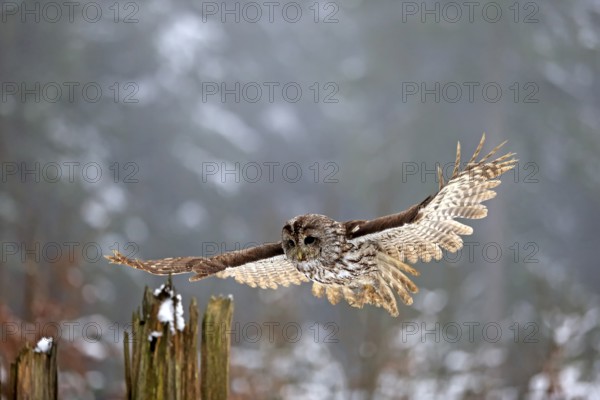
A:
[(291, 243), (309, 240)]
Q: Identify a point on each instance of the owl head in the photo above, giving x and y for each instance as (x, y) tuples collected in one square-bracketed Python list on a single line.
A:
[(311, 237)]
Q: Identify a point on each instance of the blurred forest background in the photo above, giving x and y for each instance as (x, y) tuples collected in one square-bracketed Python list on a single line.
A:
[(121, 126)]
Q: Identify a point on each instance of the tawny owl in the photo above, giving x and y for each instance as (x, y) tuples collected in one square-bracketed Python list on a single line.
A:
[(363, 262)]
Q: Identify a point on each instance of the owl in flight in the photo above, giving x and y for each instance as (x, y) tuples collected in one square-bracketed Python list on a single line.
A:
[(363, 262)]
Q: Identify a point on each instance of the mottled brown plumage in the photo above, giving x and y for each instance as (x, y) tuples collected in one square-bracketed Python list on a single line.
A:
[(363, 262)]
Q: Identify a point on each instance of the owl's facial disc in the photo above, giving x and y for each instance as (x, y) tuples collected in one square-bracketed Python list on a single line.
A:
[(300, 246)]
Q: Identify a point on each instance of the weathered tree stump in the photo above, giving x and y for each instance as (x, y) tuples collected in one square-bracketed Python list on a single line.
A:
[(214, 351), (34, 375), (161, 354)]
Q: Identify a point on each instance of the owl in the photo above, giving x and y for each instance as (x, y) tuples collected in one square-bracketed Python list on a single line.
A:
[(360, 261)]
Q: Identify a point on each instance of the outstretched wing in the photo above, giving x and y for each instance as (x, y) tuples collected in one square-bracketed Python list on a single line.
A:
[(268, 273), (424, 230), (264, 266)]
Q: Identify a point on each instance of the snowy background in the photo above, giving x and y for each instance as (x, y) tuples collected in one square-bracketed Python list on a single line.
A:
[(170, 128)]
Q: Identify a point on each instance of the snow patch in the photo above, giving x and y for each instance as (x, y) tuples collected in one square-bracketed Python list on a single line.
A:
[(43, 345), (154, 335), (171, 309)]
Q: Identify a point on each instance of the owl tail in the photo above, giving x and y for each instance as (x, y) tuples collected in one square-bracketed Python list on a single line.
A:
[(376, 289)]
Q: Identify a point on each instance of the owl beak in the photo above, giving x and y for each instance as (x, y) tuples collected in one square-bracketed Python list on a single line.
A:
[(299, 255)]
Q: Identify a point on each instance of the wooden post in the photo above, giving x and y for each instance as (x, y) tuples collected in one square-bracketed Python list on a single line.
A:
[(34, 375), (214, 352), (161, 356)]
